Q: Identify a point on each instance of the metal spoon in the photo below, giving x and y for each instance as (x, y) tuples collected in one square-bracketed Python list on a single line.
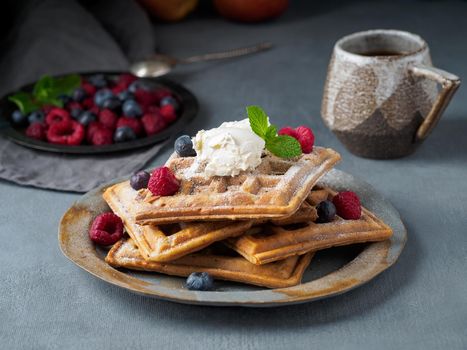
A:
[(160, 64)]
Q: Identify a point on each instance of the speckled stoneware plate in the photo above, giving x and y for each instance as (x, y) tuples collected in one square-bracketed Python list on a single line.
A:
[(331, 272)]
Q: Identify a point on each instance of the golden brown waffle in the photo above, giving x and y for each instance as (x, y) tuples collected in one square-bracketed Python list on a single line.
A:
[(276, 188), (166, 242), (285, 273), (274, 242)]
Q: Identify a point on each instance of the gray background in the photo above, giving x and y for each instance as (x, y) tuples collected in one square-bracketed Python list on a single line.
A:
[(420, 303)]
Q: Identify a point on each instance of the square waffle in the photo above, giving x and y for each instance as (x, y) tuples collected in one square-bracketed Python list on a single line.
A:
[(166, 242), (275, 242), (276, 188), (218, 263)]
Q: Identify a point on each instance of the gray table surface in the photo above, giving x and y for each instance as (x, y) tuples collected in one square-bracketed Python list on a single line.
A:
[(421, 303)]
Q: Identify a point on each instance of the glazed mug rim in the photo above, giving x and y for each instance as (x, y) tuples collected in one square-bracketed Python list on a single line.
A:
[(342, 44)]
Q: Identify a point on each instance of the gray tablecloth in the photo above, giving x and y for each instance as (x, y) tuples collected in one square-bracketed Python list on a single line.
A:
[(421, 303)]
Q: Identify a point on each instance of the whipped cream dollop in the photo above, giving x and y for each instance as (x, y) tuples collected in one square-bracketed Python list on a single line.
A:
[(227, 150)]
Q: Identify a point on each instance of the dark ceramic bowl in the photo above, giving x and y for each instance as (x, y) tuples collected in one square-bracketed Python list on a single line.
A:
[(189, 109)]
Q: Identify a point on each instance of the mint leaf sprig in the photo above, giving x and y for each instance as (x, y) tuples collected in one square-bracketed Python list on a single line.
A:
[(46, 91), (283, 146)]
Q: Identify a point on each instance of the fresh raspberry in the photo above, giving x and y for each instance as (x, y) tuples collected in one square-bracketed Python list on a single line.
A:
[(89, 88), (303, 134), (347, 205), (306, 138), (57, 115), (94, 109), (153, 123), (152, 109), (163, 182), (102, 136), (168, 113), (36, 131), (133, 123), (108, 118), (126, 79), (88, 103), (145, 98), (288, 131), (106, 229), (92, 127), (67, 132), (118, 88), (159, 94), (73, 105)]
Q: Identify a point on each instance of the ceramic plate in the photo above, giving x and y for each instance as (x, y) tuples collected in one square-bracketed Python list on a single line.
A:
[(189, 110), (331, 272)]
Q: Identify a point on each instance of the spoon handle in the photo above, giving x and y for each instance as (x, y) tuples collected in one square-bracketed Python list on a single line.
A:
[(227, 54)]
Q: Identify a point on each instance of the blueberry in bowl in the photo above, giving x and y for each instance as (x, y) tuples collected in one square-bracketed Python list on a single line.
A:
[(159, 107)]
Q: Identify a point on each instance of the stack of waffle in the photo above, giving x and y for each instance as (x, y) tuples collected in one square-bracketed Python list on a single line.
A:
[(258, 227)]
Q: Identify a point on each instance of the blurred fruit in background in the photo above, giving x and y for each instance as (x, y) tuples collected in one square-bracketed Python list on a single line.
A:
[(251, 10), (169, 10)]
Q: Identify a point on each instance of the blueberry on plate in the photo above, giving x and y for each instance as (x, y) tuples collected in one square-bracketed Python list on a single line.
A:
[(101, 96), (126, 95), (124, 133), (78, 94), (200, 281), (141, 84), (75, 113), (139, 180), (184, 146), (98, 80), (326, 211), (131, 108), (111, 103), (19, 119), (36, 117), (86, 117), (169, 100), (65, 99)]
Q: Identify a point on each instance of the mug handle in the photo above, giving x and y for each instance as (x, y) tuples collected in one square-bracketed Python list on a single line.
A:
[(449, 84)]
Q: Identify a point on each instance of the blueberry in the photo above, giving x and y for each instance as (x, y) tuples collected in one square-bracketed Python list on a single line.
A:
[(200, 281), (184, 146), (75, 113), (131, 108), (101, 96), (124, 133), (326, 211), (140, 84), (19, 118), (86, 117), (79, 95), (169, 100), (98, 80), (65, 99), (111, 103), (139, 180), (126, 95), (36, 117)]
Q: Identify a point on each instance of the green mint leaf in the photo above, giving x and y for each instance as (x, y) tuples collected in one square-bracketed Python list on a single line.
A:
[(24, 101), (43, 87), (258, 120), (284, 146), (65, 85), (271, 132)]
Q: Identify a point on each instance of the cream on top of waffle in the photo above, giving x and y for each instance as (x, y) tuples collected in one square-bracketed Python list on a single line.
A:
[(227, 150)]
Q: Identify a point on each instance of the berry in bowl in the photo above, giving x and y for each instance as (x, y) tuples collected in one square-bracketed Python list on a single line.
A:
[(96, 113)]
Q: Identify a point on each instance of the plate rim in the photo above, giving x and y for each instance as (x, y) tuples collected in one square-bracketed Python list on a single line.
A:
[(191, 109), (386, 253)]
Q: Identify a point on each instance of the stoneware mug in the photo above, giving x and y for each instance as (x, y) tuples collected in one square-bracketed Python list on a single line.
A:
[(381, 95)]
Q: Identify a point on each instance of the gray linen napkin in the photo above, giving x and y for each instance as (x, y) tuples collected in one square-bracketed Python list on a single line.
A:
[(56, 37)]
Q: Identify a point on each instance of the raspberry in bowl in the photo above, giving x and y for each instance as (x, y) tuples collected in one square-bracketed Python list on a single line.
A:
[(127, 113)]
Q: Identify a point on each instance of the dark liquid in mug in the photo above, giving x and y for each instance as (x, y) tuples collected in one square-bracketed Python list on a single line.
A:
[(381, 53)]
